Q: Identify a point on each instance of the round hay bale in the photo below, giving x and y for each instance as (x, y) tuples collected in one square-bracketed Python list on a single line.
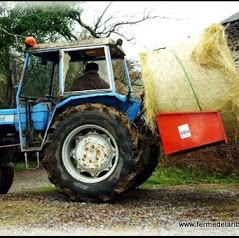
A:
[(198, 74)]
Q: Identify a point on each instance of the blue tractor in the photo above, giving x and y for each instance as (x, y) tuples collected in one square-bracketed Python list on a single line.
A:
[(94, 144)]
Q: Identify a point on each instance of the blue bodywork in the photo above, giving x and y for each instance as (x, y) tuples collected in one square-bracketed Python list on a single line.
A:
[(41, 115), (130, 106), (48, 67)]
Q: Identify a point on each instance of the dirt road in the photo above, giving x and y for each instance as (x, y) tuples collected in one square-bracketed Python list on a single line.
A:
[(205, 209)]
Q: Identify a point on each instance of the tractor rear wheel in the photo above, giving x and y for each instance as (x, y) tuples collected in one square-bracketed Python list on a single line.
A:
[(149, 144), (149, 159), (92, 153)]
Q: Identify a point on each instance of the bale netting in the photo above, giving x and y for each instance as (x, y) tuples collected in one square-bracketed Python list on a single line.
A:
[(198, 74)]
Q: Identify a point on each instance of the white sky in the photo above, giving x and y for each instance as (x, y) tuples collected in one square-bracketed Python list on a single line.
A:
[(188, 18)]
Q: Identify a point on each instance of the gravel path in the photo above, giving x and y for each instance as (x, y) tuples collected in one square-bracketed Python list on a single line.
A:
[(212, 209)]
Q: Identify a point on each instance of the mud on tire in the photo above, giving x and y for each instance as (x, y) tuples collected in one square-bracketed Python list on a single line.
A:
[(149, 144), (92, 153)]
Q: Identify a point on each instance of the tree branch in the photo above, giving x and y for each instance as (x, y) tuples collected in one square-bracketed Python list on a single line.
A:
[(11, 34)]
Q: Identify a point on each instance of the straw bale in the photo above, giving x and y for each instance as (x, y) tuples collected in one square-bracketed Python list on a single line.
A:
[(198, 74)]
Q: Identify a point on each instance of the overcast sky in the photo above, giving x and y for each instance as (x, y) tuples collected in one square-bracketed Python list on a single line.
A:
[(180, 19)]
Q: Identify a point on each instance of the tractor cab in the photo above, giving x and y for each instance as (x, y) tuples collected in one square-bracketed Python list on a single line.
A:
[(46, 83)]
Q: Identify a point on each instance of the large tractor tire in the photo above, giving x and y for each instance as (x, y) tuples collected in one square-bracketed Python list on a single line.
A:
[(150, 159), (149, 143), (92, 153), (6, 176)]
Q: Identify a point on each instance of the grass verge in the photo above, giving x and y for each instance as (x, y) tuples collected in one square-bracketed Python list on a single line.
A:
[(164, 177)]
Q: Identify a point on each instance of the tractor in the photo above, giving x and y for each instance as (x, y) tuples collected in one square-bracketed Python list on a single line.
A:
[(94, 144)]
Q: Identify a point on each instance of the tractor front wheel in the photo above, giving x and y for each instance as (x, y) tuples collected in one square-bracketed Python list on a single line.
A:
[(6, 176)]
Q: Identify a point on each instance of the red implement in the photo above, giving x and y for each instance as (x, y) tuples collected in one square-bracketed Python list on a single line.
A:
[(185, 130)]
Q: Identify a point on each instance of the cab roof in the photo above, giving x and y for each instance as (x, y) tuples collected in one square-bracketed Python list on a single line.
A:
[(80, 43)]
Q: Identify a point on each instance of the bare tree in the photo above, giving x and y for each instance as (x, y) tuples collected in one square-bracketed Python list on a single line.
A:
[(54, 21), (106, 24)]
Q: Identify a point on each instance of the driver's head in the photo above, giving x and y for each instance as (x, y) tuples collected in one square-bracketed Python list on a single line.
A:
[(91, 66)]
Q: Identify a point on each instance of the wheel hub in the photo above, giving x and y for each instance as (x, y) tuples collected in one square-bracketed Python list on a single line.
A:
[(93, 153)]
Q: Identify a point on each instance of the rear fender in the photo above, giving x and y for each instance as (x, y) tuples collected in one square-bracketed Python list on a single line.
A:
[(129, 106)]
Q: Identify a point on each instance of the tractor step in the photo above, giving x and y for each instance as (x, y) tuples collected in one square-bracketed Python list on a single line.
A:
[(37, 161)]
